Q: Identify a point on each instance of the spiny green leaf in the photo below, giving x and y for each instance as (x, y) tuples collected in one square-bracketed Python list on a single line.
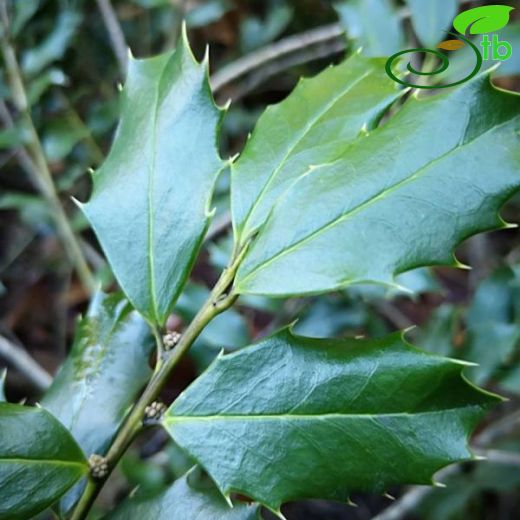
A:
[(184, 499), (106, 370), (294, 417), (39, 461), (431, 20), (320, 118), (103, 375), (404, 196), (150, 202), (375, 25)]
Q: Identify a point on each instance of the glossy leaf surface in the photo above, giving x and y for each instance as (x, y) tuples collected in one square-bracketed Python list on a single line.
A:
[(39, 461), (107, 368), (317, 121), (431, 20), (150, 202), (372, 24), (184, 499), (102, 377), (402, 197), (294, 417)]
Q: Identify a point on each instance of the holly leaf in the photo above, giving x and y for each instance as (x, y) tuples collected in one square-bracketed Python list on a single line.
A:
[(375, 25), (403, 197), (317, 121), (103, 375), (186, 498), (431, 20), (39, 461), (296, 417), (150, 205)]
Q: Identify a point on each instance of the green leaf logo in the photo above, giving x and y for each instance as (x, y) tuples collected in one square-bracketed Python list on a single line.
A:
[(482, 20)]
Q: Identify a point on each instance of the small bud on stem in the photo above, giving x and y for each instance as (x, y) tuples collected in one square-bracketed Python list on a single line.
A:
[(98, 466), (170, 340), (154, 411)]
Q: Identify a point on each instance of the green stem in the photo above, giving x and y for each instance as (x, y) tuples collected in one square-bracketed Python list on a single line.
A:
[(42, 176), (218, 301), (427, 66), (86, 500)]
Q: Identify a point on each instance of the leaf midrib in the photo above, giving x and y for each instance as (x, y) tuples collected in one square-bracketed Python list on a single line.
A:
[(151, 255), (329, 106), (170, 420), (53, 462), (381, 195)]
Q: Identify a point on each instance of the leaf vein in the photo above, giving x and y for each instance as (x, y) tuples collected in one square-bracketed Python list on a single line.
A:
[(379, 196)]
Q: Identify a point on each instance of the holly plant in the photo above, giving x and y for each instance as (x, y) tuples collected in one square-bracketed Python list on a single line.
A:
[(350, 180)]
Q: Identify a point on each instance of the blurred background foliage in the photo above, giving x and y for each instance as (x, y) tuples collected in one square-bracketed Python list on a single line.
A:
[(72, 55)]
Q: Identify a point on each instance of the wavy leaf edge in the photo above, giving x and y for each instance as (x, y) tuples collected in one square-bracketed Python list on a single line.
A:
[(401, 335), (501, 223), (183, 48)]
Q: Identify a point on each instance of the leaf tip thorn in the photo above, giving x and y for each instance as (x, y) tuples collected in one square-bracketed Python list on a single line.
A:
[(409, 329), (77, 202), (227, 498)]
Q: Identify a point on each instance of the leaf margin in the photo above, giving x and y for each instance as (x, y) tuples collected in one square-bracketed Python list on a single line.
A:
[(226, 492)]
